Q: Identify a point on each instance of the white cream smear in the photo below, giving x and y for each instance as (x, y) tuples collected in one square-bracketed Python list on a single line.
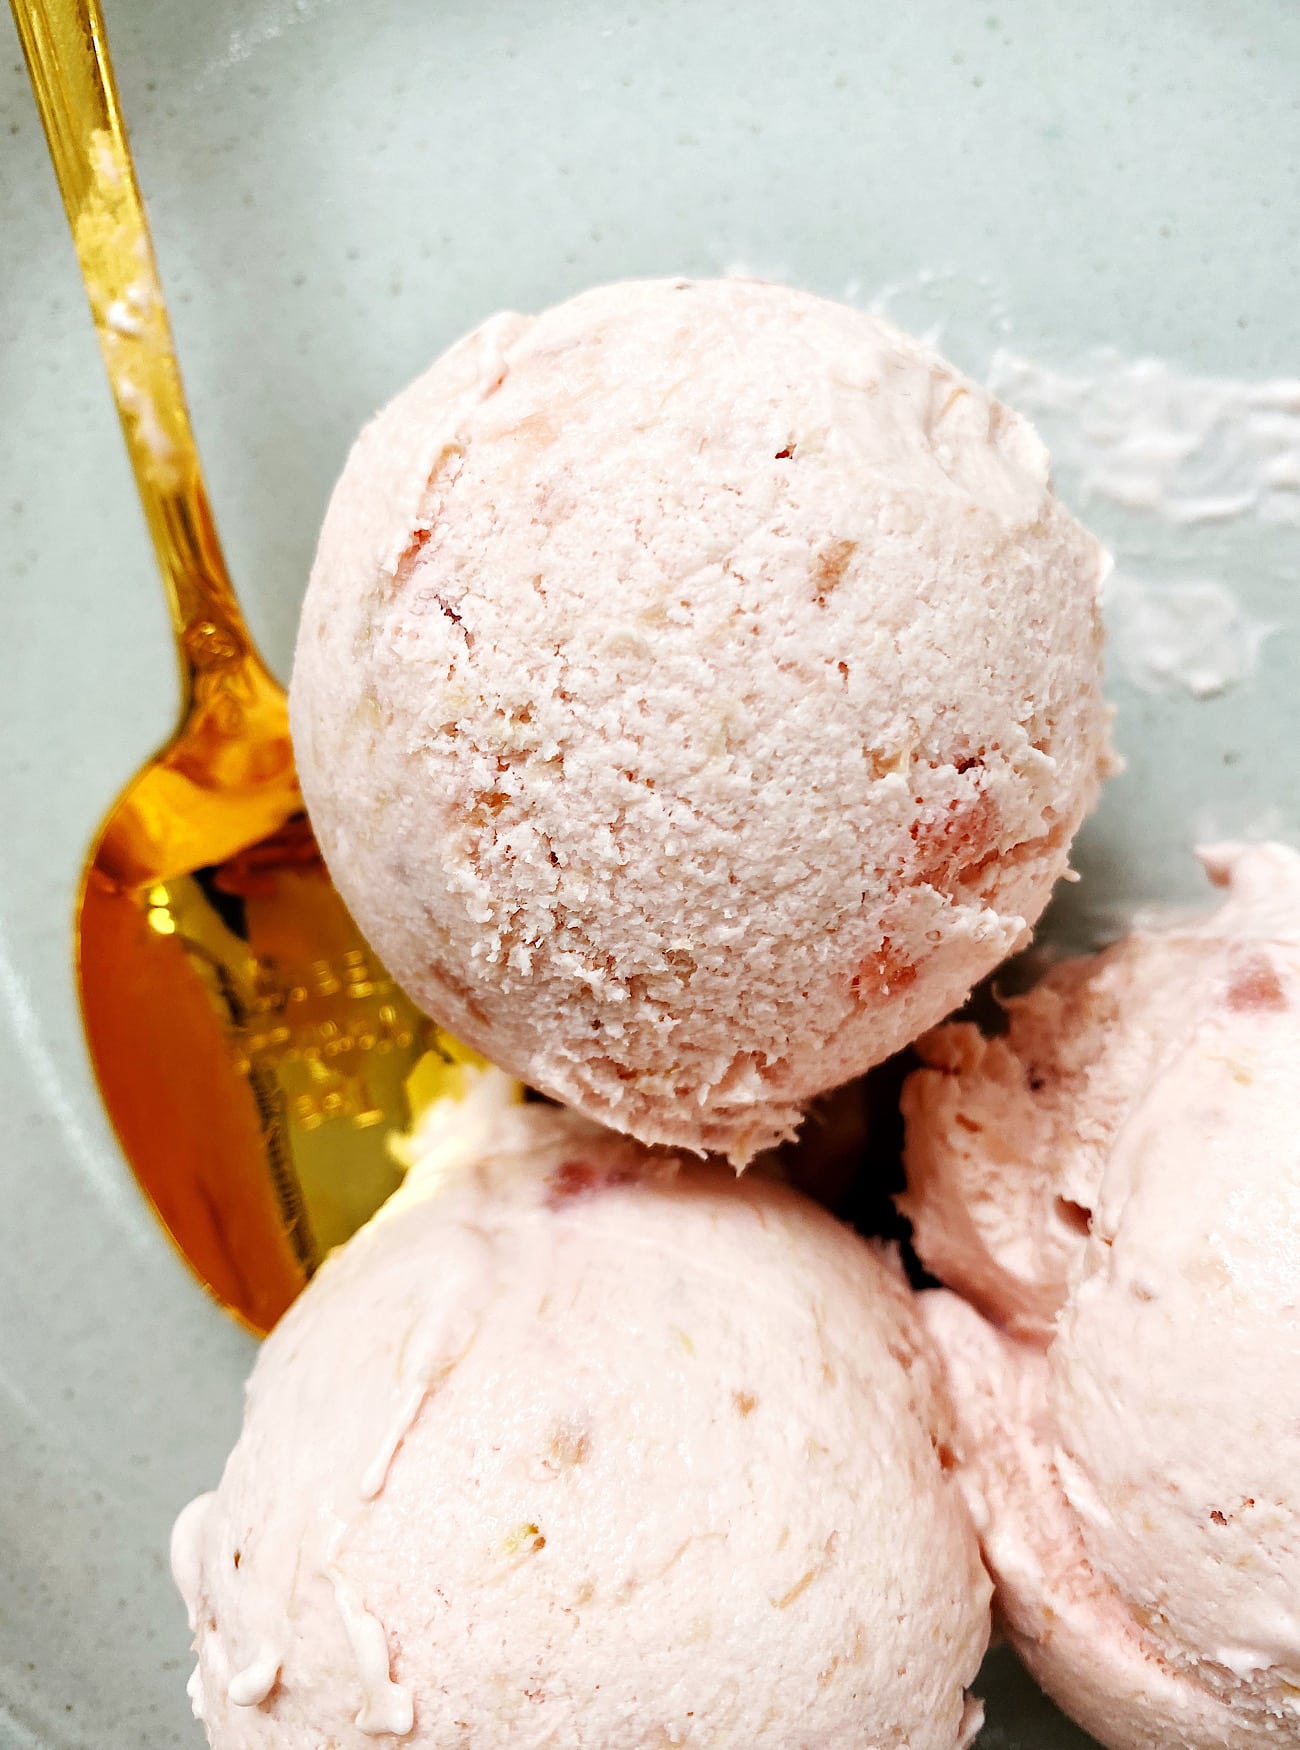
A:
[(1192, 637), (1188, 453), (1152, 439)]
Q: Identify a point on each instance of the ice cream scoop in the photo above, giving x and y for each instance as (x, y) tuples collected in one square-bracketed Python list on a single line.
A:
[(577, 1446), (1115, 1185), (697, 690)]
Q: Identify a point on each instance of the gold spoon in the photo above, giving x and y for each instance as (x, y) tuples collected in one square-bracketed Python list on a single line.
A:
[(253, 1056)]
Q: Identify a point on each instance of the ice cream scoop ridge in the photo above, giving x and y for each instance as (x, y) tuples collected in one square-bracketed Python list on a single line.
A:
[(1115, 1185), (697, 690), (578, 1445)]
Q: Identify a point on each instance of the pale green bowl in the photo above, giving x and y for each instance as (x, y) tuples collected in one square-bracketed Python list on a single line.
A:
[(338, 190)]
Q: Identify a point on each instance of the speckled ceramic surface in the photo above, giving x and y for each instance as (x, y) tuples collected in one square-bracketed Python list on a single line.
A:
[(338, 190)]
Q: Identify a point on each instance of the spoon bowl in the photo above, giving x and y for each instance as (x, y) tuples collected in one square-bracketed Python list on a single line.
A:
[(252, 1055)]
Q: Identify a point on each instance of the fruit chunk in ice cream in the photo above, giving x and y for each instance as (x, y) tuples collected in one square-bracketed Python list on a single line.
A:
[(697, 691), (1115, 1185), (571, 1447)]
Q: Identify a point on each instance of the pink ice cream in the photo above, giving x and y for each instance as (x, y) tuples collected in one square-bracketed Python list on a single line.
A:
[(697, 691), (573, 1448), (1115, 1184)]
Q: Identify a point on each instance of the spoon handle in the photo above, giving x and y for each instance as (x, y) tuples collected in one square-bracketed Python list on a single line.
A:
[(66, 49)]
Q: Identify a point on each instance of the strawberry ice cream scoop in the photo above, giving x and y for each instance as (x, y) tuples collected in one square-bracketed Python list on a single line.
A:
[(1115, 1184), (697, 690), (572, 1448)]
